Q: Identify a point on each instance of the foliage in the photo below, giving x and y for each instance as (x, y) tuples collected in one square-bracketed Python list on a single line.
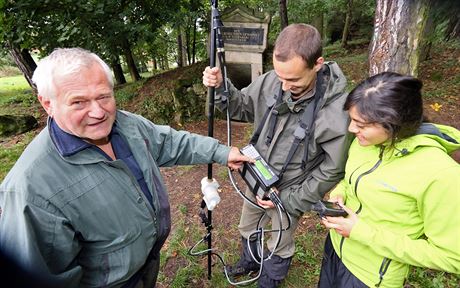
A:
[(6, 60)]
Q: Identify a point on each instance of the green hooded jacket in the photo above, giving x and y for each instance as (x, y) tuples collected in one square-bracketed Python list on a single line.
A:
[(408, 204), (83, 220)]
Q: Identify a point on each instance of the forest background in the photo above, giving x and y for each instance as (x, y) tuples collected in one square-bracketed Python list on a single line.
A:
[(157, 50)]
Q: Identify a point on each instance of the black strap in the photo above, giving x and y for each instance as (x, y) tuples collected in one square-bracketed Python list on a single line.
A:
[(277, 99), (303, 131), (428, 128), (321, 87)]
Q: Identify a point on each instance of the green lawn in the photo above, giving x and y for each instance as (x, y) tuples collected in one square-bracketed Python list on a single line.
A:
[(13, 89), (17, 82)]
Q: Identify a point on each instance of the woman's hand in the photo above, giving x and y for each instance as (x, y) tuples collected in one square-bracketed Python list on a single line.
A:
[(342, 225), (337, 199)]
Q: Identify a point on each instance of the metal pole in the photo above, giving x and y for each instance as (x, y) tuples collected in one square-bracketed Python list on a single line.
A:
[(211, 92)]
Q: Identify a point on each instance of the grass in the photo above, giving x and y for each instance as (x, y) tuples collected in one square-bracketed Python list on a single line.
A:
[(17, 82), (303, 273), (9, 155), (14, 89)]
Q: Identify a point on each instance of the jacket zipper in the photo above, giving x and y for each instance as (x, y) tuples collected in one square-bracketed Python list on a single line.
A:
[(376, 165), (385, 262)]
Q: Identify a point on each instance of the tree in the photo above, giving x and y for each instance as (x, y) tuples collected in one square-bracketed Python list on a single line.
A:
[(283, 14), (346, 27), (110, 28), (117, 70), (25, 63), (398, 29), (180, 48)]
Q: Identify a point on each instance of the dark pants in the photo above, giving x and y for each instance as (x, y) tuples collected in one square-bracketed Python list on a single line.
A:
[(333, 273), (274, 270), (147, 276)]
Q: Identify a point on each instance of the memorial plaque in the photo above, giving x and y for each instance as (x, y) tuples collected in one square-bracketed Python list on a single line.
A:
[(243, 36)]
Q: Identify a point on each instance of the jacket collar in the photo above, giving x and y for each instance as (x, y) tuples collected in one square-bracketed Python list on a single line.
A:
[(66, 143)]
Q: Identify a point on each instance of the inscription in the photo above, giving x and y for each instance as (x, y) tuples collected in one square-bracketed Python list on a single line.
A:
[(243, 36)]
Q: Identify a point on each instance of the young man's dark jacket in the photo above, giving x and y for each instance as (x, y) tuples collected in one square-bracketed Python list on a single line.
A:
[(328, 144)]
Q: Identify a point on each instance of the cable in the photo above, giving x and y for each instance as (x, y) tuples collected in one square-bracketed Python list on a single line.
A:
[(259, 233)]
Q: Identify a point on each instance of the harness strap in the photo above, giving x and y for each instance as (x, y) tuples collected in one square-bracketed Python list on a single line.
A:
[(321, 87), (276, 100), (303, 131)]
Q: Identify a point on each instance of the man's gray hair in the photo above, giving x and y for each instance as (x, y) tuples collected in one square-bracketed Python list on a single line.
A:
[(61, 63)]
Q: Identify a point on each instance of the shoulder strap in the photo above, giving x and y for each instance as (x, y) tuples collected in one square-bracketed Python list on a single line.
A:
[(275, 101), (303, 131), (428, 128)]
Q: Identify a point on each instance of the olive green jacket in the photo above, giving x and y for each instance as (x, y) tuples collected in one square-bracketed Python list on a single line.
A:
[(328, 145)]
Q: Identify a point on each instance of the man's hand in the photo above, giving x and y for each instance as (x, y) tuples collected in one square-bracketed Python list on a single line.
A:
[(236, 159), (212, 77), (267, 204)]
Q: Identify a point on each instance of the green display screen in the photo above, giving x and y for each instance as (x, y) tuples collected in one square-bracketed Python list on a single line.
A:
[(263, 170)]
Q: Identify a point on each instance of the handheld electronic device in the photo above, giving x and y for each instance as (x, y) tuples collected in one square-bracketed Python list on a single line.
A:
[(326, 208), (259, 176)]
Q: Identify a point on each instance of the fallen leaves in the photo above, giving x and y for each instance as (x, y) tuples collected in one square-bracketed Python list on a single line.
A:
[(436, 106)]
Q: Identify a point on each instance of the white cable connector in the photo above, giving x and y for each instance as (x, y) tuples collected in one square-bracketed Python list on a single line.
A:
[(209, 190)]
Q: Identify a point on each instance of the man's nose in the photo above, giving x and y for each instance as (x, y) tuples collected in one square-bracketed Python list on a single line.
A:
[(96, 110), (286, 86)]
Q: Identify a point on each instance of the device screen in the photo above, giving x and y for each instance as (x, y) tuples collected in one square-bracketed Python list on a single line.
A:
[(263, 170)]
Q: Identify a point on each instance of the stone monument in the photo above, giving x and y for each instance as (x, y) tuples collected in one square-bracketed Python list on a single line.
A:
[(245, 39)]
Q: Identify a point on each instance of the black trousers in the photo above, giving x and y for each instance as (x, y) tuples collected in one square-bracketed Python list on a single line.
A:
[(333, 273)]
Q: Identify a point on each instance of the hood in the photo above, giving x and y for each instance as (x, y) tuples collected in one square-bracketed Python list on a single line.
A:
[(433, 135), (336, 84)]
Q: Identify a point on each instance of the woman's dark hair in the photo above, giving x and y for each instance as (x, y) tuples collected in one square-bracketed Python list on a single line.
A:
[(391, 100)]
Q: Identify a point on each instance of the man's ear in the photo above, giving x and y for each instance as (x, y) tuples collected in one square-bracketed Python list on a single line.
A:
[(319, 64), (46, 104)]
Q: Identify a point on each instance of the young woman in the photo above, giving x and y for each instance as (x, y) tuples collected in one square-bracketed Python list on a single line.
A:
[(401, 190)]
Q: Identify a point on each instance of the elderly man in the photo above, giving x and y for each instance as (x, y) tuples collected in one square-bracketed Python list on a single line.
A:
[(302, 89), (85, 203)]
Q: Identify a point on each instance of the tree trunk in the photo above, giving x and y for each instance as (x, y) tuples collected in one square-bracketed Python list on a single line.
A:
[(398, 29), (188, 44), (346, 27), (453, 28), (180, 57), (25, 63), (130, 61), (318, 23), (118, 71), (283, 14), (427, 40), (194, 42), (164, 62), (184, 48)]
